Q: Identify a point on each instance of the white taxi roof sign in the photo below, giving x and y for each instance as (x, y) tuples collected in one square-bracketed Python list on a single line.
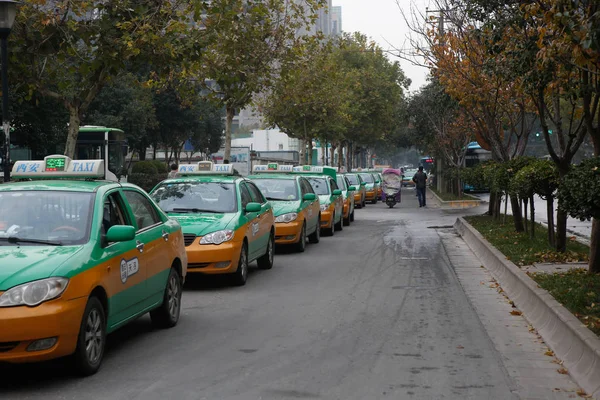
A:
[(58, 166), (272, 168), (205, 168)]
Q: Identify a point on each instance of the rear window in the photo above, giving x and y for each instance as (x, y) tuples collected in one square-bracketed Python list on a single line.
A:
[(367, 178), (196, 197), (319, 185)]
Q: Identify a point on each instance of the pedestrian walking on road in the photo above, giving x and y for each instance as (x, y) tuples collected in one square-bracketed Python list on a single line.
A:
[(420, 180)]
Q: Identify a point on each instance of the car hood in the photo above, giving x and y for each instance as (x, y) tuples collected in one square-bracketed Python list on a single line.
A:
[(370, 186), (202, 223), (284, 207), (20, 264)]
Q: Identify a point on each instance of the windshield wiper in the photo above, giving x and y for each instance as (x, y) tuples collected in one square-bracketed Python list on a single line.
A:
[(15, 239), (187, 210)]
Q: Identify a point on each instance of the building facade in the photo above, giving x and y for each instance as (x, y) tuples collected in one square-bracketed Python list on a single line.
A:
[(336, 20)]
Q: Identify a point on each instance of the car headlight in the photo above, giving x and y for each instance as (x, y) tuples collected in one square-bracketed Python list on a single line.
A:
[(324, 207), (285, 218), (217, 237), (34, 293)]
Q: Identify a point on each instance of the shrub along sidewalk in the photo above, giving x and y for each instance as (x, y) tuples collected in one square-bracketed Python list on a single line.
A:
[(576, 289), (451, 196)]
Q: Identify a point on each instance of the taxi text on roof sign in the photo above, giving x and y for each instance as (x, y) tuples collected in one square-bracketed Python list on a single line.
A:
[(58, 166), (316, 169), (206, 168), (272, 167)]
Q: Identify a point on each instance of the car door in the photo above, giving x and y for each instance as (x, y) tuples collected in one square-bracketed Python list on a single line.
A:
[(126, 283), (338, 199), (265, 217), (313, 206), (251, 222), (151, 243)]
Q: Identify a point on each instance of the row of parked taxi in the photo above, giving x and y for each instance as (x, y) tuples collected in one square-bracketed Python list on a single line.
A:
[(82, 256)]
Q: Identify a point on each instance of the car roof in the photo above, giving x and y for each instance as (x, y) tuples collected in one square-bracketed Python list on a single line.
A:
[(67, 185), (274, 176), (204, 178)]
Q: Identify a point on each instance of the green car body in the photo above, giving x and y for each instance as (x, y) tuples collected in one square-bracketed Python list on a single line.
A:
[(296, 207), (348, 192), (227, 222), (109, 243)]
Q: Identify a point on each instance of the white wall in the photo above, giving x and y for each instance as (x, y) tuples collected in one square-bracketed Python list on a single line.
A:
[(267, 140)]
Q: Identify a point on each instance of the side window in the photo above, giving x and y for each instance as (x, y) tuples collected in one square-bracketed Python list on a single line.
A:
[(255, 193), (306, 187), (246, 198), (142, 209), (333, 185), (113, 213)]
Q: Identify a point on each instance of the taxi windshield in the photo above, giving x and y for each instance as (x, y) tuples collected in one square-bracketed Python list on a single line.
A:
[(319, 185), (367, 178), (195, 197), (278, 189), (341, 182), (353, 179), (44, 216)]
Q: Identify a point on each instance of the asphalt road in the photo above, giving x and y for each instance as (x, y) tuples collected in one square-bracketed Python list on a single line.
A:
[(375, 312)]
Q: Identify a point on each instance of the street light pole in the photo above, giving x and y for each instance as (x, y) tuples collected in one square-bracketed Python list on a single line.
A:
[(8, 12)]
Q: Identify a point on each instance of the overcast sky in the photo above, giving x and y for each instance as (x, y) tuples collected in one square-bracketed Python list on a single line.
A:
[(382, 21)]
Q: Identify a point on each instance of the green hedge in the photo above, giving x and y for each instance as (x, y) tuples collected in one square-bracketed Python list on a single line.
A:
[(146, 181)]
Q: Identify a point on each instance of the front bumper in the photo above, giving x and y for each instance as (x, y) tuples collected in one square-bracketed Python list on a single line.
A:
[(327, 218), (24, 325), (213, 258), (346, 212), (288, 233), (370, 195), (358, 198)]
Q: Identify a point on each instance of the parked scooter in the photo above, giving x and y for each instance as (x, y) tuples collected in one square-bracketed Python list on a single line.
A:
[(392, 184)]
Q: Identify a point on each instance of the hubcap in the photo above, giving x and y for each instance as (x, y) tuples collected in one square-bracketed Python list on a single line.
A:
[(93, 336), (173, 296)]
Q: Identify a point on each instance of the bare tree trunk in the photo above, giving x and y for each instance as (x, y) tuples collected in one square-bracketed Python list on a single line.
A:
[(525, 201), (594, 264), (505, 209), (349, 156), (517, 216), (550, 211), (332, 155), (532, 212), (340, 162), (228, 122), (302, 151), (73, 131), (310, 153)]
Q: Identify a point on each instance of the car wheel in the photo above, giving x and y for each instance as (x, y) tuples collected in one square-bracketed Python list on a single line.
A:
[(352, 216), (347, 220), (167, 315), (331, 231), (340, 225), (301, 245), (91, 341), (266, 261), (315, 237), (240, 276)]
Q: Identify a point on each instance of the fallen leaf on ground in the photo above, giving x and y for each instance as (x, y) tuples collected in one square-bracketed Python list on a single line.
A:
[(583, 394), (562, 371), (516, 312), (549, 353), (459, 347)]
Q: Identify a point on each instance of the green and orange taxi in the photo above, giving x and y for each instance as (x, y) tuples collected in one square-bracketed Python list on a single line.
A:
[(295, 204), (227, 222), (323, 181), (360, 194), (348, 195), (81, 257), (371, 185)]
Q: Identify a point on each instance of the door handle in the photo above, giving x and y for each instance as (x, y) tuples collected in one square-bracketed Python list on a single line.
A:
[(140, 246), (165, 235)]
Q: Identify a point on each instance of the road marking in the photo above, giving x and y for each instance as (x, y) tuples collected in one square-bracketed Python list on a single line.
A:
[(414, 258)]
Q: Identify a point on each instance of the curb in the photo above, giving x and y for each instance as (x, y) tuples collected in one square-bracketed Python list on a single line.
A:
[(571, 341), (456, 203)]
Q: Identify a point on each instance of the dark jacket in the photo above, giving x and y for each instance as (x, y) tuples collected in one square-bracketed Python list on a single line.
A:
[(420, 179)]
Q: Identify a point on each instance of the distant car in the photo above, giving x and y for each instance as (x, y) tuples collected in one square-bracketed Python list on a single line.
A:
[(372, 186), (408, 176), (361, 192), (348, 194)]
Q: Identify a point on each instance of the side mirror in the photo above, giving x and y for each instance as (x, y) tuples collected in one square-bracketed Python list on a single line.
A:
[(253, 207), (352, 188), (337, 192), (363, 184), (377, 181), (120, 233), (309, 197)]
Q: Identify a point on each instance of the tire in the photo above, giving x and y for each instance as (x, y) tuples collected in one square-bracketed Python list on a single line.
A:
[(167, 315), (315, 237), (364, 203), (340, 225), (347, 221), (91, 341), (240, 276), (352, 216), (330, 231), (301, 245), (266, 261)]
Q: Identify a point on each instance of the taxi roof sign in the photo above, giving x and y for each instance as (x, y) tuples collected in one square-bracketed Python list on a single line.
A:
[(316, 169), (205, 168), (58, 166), (272, 168)]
